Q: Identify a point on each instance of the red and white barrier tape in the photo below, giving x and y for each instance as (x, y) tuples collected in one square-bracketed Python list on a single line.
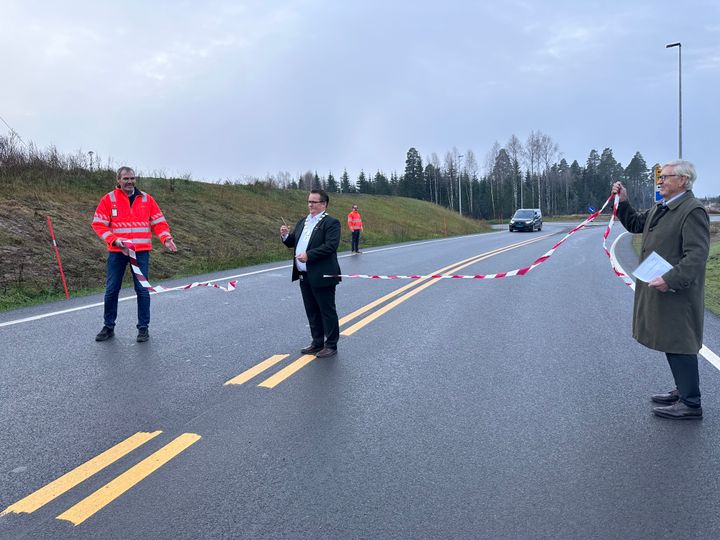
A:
[(231, 286), (522, 271)]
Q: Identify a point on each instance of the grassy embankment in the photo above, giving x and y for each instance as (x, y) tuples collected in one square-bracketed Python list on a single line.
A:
[(712, 276), (216, 227)]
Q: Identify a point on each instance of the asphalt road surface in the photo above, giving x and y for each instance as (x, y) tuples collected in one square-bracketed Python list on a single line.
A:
[(503, 408)]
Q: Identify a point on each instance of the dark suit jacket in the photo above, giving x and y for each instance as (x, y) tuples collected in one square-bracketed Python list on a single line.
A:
[(321, 251)]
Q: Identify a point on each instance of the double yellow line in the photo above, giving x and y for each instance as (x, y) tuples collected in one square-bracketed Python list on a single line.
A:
[(414, 287), (113, 489)]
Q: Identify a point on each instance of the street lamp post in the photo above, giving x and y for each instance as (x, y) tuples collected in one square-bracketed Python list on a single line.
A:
[(679, 46), (459, 186)]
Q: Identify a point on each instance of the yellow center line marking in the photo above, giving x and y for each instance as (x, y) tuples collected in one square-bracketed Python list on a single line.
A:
[(113, 489), (415, 283), (285, 372), (71, 479), (420, 285), (380, 312), (245, 376)]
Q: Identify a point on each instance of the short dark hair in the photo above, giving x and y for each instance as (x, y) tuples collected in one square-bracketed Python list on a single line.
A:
[(324, 197)]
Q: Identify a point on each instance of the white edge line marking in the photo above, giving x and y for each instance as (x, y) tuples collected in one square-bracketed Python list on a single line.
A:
[(705, 352), (97, 304)]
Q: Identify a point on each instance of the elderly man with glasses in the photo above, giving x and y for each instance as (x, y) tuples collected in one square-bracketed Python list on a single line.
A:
[(669, 310), (315, 240)]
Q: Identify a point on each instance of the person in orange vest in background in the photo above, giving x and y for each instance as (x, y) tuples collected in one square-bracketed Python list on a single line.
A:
[(128, 214), (355, 224)]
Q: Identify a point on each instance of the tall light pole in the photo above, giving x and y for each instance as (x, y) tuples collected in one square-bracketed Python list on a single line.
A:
[(679, 46), (459, 186)]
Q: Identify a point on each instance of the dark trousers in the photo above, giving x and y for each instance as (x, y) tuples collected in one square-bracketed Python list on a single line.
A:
[(321, 313), (684, 368), (355, 242), (116, 265)]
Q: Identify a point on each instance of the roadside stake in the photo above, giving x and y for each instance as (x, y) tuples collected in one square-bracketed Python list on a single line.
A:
[(57, 255)]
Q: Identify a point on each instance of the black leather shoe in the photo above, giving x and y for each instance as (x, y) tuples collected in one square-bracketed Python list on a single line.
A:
[(668, 399), (327, 352), (311, 349), (105, 334), (679, 411), (143, 335)]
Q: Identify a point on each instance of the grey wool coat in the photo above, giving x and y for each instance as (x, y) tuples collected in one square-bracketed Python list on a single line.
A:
[(672, 321)]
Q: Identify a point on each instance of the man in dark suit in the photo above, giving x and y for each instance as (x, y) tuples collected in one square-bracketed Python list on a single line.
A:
[(316, 239)]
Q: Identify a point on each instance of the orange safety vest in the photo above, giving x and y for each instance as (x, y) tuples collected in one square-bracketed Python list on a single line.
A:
[(354, 221), (115, 218)]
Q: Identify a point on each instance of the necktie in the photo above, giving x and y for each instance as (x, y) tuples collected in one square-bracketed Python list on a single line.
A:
[(659, 212)]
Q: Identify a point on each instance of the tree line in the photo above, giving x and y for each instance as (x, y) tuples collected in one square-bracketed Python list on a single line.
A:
[(517, 175), (532, 174)]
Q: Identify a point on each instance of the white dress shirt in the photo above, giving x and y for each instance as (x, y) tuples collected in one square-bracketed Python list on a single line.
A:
[(302, 243)]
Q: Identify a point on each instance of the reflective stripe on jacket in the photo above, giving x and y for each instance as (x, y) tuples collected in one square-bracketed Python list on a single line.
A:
[(354, 221), (115, 218)]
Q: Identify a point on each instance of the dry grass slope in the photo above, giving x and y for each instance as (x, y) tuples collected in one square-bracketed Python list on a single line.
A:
[(216, 227)]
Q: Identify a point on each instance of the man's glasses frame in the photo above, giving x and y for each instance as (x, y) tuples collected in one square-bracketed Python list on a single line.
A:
[(315, 202)]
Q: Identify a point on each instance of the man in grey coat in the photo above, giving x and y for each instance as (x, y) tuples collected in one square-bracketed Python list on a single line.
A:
[(669, 310)]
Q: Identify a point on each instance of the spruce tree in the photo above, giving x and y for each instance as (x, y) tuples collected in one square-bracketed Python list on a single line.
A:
[(332, 185), (345, 185)]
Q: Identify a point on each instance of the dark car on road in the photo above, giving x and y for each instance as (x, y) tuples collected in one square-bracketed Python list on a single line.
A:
[(526, 219)]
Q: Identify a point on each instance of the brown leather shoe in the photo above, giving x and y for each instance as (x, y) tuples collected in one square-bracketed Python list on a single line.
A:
[(327, 352), (679, 411), (667, 399), (311, 349)]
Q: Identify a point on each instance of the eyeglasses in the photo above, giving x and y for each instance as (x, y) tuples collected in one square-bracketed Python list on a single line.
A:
[(664, 176), (128, 178), (315, 202)]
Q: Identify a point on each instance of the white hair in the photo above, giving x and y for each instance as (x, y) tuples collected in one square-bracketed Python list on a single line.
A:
[(683, 168)]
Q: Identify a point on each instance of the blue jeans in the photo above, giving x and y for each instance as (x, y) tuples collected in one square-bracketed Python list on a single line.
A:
[(116, 264)]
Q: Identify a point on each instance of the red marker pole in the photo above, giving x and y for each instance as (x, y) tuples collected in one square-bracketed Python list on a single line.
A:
[(57, 254)]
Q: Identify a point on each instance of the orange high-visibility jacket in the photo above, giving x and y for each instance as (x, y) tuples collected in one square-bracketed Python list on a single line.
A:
[(114, 218), (354, 221)]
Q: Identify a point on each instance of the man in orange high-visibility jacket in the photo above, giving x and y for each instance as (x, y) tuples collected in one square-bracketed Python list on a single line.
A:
[(128, 214), (355, 225)]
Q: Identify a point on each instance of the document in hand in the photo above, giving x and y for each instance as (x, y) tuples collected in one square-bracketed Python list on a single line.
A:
[(652, 267)]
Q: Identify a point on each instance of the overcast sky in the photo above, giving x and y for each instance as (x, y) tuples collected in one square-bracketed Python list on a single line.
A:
[(226, 89)]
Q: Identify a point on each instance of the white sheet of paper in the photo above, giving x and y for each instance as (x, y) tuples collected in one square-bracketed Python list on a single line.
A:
[(652, 267)]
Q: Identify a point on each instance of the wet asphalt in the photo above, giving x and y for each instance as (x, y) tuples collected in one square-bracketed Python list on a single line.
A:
[(505, 408)]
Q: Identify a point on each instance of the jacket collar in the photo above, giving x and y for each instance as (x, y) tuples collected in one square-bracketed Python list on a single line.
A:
[(672, 205)]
